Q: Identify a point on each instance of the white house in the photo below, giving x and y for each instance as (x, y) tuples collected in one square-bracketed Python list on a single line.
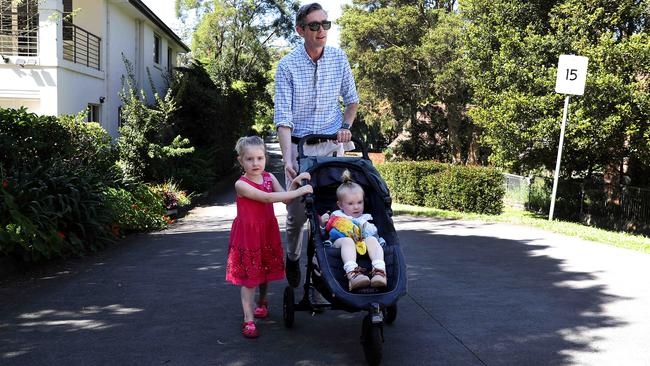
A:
[(54, 66)]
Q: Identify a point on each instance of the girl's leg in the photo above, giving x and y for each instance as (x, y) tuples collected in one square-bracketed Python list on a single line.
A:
[(247, 302), (376, 254), (349, 256), (375, 251), (262, 308), (263, 290)]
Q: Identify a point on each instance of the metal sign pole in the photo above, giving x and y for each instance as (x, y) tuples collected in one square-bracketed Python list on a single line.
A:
[(559, 158)]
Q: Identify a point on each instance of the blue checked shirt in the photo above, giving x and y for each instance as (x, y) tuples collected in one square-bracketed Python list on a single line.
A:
[(307, 93)]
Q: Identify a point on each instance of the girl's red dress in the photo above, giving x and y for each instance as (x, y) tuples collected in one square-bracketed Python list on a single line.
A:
[(255, 249)]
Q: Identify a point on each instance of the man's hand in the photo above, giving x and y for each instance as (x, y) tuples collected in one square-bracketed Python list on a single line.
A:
[(289, 171), (297, 181), (343, 135)]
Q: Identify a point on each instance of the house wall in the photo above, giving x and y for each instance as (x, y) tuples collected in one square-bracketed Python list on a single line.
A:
[(32, 81), (77, 89), (90, 16), (48, 84)]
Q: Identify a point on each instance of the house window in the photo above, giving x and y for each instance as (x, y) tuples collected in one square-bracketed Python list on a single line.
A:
[(93, 113), (169, 58), (156, 49), (19, 27), (68, 31), (120, 117)]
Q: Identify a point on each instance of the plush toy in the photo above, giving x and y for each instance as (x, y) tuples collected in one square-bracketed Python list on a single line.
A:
[(341, 227)]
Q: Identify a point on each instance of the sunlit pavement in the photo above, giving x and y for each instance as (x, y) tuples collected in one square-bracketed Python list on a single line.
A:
[(479, 294)]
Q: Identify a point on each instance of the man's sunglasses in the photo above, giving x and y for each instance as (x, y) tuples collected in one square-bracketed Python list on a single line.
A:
[(315, 26)]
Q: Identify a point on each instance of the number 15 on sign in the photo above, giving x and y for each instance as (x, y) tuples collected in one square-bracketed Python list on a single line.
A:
[(570, 80), (571, 75)]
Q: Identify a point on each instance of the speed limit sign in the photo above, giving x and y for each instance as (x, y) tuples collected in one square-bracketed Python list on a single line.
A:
[(571, 78), (571, 75)]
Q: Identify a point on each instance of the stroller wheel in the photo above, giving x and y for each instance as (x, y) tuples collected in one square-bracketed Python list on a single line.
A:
[(288, 304), (390, 314), (372, 339)]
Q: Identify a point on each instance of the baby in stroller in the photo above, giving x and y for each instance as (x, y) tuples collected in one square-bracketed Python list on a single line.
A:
[(352, 231)]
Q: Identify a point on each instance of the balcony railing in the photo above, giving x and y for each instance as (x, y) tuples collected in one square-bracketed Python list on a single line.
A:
[(18, 33), (81, 46)]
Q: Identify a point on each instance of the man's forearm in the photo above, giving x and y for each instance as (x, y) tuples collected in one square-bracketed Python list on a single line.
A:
[(284, 136), (350, 113)]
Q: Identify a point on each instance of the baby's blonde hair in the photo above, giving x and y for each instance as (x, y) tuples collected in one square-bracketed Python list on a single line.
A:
[(347, 185), (249, 141)]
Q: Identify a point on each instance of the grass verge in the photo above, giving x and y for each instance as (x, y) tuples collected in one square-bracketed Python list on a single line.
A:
[(514, 216)]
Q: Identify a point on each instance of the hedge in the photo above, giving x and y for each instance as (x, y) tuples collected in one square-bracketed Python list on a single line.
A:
[(445, 186), (61, 192)]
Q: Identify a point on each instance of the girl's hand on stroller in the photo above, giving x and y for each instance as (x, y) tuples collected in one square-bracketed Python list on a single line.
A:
[(306, 189)]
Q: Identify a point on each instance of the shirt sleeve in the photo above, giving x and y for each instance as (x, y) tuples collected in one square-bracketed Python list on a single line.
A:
[(283, 97), (370, 228), (348, 87)]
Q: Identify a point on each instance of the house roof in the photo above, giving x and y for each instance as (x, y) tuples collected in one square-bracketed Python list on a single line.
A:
[(138, 4)]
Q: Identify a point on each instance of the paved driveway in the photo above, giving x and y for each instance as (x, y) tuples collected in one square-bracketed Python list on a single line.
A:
[(479, 294)]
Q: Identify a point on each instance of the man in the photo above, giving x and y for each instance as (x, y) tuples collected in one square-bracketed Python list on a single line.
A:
[(309, 84)]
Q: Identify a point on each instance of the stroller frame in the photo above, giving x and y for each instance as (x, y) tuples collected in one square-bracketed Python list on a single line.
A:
[(381, 307)]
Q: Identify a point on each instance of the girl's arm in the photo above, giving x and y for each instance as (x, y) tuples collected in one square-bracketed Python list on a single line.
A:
[(277, 187), (244, 189)]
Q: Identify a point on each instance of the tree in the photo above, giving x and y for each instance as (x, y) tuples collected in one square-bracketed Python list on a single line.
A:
[(407, 55), (232, 36), (514, 47)]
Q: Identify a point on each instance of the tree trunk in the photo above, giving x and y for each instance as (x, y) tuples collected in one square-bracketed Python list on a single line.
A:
[(472, 150), (454, 121)]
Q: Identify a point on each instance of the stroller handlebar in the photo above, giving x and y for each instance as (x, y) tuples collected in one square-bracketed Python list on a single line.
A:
[(303, 141)]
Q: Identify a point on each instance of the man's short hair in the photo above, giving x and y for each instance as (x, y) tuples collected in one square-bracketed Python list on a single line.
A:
[(304, 11)]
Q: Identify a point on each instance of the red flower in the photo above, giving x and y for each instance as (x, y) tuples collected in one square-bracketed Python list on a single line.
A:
[(61, 235), (5, 184)]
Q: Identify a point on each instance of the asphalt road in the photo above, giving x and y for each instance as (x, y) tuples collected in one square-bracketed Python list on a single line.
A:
[(479, 294)]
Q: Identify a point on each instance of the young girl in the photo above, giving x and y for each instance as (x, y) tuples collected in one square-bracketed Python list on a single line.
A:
[(351, 230), (255, 249)]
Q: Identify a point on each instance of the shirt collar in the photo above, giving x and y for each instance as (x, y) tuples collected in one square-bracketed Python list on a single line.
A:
[(303, 51)]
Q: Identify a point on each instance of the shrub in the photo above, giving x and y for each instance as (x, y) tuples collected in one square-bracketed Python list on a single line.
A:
[(465, 189), (213, 117), (445, 186), (53, 173), (148, 146), (173, 196), (137, 209), (50, 211), (404, 179)]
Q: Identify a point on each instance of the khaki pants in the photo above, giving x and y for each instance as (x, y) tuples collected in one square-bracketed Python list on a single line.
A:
[(296, 209)]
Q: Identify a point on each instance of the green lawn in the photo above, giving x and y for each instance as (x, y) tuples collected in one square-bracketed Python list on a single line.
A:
[(515, 216)]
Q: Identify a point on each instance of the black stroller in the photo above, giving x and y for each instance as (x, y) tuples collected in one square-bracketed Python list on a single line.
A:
[(324, 265)]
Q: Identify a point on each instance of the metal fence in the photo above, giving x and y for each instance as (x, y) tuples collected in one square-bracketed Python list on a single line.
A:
[(516, 187), (593, 203), (81, 46), (18, 33)]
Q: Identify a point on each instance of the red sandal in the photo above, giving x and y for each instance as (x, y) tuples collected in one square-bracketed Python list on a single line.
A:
[(262, 309), (249, 330)]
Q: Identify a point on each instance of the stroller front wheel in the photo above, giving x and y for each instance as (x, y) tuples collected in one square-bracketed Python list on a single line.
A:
[(288, 309), (372, 339), (390, 314)]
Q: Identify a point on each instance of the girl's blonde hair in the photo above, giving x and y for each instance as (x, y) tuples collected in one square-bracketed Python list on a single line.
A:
[(347, 185), (248, 141)]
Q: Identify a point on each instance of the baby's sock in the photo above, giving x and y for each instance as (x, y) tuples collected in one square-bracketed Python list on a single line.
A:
[(379, 264), (350, 266)]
